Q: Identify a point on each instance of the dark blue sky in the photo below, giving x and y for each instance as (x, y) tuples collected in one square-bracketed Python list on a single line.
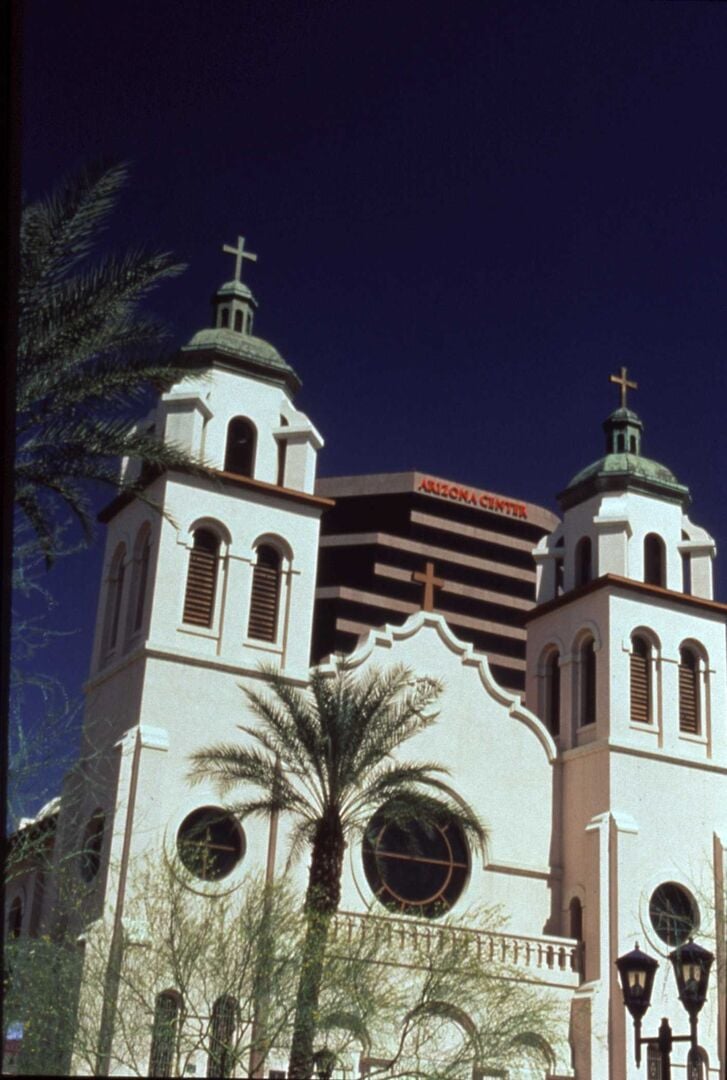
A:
[(466, 217)]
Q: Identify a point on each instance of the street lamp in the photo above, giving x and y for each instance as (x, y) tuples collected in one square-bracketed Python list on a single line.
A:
[(691, 965), (637, 971)]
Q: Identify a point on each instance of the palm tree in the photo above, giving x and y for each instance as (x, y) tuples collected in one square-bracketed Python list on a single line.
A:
[(325, 755), (85, 354)]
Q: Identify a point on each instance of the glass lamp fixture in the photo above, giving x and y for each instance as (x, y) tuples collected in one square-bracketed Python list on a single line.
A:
[(636, 971), (691, 965)]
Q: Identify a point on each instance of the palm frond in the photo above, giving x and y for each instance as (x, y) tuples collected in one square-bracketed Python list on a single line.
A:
[(301, 836), (85, 355), (293, 722), (390, 777), (60, 230), (417, 804), (229, 764)]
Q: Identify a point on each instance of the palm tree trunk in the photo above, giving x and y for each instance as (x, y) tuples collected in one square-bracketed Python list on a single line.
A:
[(321, 903)]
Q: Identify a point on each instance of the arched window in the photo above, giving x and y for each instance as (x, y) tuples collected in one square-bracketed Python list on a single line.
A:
[(689, 719), (559, 568), (92, 844), (654, 560), (240, 451), (435, 1031), (282, 451), (632, 444), (575, 912), (140, 577), (264, 600), (575, 918), (583, 560), (114, 598), (552, 693), (686, 568), (165, 1032), (587, 671), (224, 317), (199, 596), (538, 1050), (620, 443), (15, 918), (640, 680), (238, 322), (221, 1058)]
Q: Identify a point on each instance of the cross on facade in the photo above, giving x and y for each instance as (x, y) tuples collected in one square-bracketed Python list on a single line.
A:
[(240, 254), (624, 383), (430, 583)]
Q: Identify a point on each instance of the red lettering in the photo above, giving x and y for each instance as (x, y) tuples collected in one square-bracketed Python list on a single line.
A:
[(467, 495)]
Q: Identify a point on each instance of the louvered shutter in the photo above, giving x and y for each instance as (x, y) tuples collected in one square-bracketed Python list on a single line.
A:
[(265, 593), (640, 698), (199, 596), (688, 693)]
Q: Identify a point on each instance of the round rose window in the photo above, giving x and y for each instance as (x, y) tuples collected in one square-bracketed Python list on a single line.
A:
[(210, 843), (414, 868), (673, 913)]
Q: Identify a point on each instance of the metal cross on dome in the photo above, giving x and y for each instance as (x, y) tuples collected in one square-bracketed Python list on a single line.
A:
[(624, 383), (240, 254)]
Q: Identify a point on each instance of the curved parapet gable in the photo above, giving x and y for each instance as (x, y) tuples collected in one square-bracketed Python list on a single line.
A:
[(387, 636)]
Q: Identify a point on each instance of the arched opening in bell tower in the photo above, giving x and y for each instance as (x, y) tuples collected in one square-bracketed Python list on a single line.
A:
[(583, 561), (551, 699), (587, 679), (654, 560), (240, 450)]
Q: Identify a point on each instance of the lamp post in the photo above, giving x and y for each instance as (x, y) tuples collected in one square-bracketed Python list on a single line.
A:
[(691, 964)]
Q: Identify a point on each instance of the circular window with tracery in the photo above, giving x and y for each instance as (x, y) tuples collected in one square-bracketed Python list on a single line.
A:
[(210, 843), (415, 868), (674, 914)]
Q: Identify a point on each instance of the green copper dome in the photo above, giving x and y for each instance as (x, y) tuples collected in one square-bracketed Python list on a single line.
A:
[(623, 468), (236, 288), (250, 353), (230, 342)]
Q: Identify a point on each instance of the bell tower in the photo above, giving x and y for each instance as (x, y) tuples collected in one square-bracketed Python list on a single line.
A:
[(626, 665), (198, 594), (229, 566)]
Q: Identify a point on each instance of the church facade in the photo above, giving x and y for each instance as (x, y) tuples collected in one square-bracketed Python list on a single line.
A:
[(605, 797)]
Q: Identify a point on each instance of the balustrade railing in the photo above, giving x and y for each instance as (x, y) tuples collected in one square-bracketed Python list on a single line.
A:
[(412, 939)]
